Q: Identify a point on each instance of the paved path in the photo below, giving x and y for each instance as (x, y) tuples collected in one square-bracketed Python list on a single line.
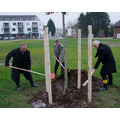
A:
[(1, 64), (2, 41)]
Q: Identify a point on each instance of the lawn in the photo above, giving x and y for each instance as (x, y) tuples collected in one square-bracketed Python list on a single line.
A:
[(10, 98)]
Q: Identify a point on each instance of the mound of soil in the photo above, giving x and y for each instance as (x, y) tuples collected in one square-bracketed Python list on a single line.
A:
[(73, 98)]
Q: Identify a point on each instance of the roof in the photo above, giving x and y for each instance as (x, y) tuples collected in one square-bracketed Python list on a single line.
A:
[(117, 24), (16, 15)]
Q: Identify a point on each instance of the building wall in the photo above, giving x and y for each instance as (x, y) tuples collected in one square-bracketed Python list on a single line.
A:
[(69, 32), (116, 31)]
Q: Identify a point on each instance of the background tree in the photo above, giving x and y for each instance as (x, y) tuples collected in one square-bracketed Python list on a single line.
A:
[(82, 24), (51, 27), (98, 20), (111, 30)]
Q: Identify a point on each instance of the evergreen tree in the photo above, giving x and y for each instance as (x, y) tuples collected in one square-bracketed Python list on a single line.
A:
[(98, 20), (111, 30), (82, 24), (51, 27)]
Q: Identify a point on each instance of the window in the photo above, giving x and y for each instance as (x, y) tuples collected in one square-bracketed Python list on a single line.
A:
[(20, 24), (28, 29), (34, 23), (13, 29), (14, 23), (6, 24)]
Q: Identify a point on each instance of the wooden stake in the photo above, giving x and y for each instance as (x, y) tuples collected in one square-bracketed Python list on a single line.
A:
[(79, 59), (89, 63), (47, 65), (65, 71)]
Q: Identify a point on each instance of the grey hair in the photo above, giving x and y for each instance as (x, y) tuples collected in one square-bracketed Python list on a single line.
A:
[(96, 42), (23, 44)]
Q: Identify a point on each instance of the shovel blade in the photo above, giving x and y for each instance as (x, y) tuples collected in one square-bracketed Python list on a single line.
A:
[(85, 83), (52, 75)]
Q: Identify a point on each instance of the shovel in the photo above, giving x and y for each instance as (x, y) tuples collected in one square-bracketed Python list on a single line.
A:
[(52, 74), (86, 82), (60, 63)]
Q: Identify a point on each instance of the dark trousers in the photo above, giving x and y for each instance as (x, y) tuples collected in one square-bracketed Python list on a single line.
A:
[(110, 79), (107, 77), (15, 75), (56, 67)]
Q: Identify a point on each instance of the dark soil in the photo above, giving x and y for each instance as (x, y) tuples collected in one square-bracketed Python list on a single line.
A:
[(73, 98)]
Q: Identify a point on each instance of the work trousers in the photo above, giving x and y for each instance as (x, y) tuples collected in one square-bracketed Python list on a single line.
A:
[(15, 75), (56, 67)]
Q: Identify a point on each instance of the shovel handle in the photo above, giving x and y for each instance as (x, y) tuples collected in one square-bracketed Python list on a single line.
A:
[(60, 63), (27, 70)]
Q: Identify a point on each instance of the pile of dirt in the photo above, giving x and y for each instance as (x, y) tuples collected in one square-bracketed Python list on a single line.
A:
[(73, 98)]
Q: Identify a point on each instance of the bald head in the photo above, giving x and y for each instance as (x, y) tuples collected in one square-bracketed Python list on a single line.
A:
[(23, 47), (96, 44)]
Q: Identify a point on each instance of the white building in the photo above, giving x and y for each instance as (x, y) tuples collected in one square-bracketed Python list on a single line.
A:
[(69, 32), (21, 26)]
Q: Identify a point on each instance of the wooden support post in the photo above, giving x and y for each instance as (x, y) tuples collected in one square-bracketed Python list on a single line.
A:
[(79, 59), (65, 71), (47, 65), (89, 63)]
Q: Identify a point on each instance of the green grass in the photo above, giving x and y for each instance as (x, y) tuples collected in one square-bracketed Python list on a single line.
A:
[(10, 98)]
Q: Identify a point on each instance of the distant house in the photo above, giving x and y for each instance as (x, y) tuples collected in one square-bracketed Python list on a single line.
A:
[(71, 32), (117, 30)]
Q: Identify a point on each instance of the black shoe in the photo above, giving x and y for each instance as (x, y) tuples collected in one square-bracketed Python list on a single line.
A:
[(19, 89), (102, 89), (34, 85)]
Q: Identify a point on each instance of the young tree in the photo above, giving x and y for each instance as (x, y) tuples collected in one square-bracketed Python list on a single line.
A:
[(51, 27)]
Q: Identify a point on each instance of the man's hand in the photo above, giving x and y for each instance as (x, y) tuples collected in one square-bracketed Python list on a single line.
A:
[(93, 71), (54, 57), (9, 66), (30, 70)]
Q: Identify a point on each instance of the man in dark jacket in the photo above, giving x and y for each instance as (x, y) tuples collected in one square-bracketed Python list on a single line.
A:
[(105, 57), (59, 53), (21, 59)]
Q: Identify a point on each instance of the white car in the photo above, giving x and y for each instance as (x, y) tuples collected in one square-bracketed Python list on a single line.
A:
[(11, 38), (6, 38)]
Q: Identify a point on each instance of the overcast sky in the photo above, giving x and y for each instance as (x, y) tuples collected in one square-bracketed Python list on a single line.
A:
[(57, 17)]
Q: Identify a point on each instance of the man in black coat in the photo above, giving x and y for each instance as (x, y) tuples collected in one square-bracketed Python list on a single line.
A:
[(105, 57), (21, 59)]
